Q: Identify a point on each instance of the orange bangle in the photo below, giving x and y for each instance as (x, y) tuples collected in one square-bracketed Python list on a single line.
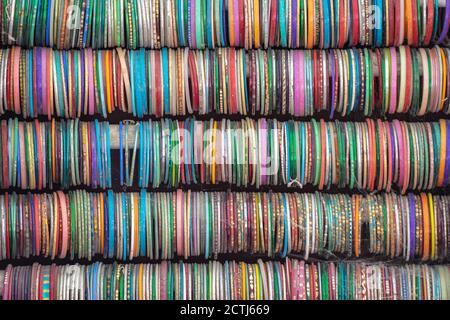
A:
[(231, 22), (442, 153), (107, 81), (426, 227), (256, 22), (408, 21), (310, 40)]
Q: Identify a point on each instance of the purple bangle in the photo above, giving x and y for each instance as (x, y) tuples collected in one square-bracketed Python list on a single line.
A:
[(237, 37), (391, 130), (447, 154), (446, 23), (39, 80), (412, 225), (294, 23)]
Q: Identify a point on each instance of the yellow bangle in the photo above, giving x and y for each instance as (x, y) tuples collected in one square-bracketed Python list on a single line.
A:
[(432, 226), (443, 80), (244, 284)]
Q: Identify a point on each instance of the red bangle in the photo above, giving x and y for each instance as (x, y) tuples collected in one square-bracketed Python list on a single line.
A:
[(430, 22), (272, 26), (408, 94), (355, 22), (392, 18), (194, 81), (397, 14), (242, 30)]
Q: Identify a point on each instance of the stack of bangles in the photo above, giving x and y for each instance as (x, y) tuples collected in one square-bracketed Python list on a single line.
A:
[(215, 23), (371, 155), (290, 280), (38, 155), (192, 224), (179, 82)]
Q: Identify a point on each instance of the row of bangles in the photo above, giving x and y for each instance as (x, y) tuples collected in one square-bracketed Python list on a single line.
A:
[(371, 155), (202, 24), (231, 280), (178, 82), (167, 225)]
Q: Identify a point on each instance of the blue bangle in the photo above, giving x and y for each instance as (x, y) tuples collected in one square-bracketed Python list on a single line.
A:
[(97, 146), (223, 25), (124, 225), (111, 223), (166, 81), (378, 32), (286, 234), (108, 156), (180, 25), (326, 23), (208, 25), (142, 84), (141, 155), (134, 103), (142, 222), (149, 152), (282, 23)]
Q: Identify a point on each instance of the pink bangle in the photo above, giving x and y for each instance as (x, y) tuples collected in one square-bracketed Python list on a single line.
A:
[(263, 142), (37, 225), (180, 223), (23, 172), (163, 280), (296, 83), (7, 283), (301, 284), (393, 80)]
